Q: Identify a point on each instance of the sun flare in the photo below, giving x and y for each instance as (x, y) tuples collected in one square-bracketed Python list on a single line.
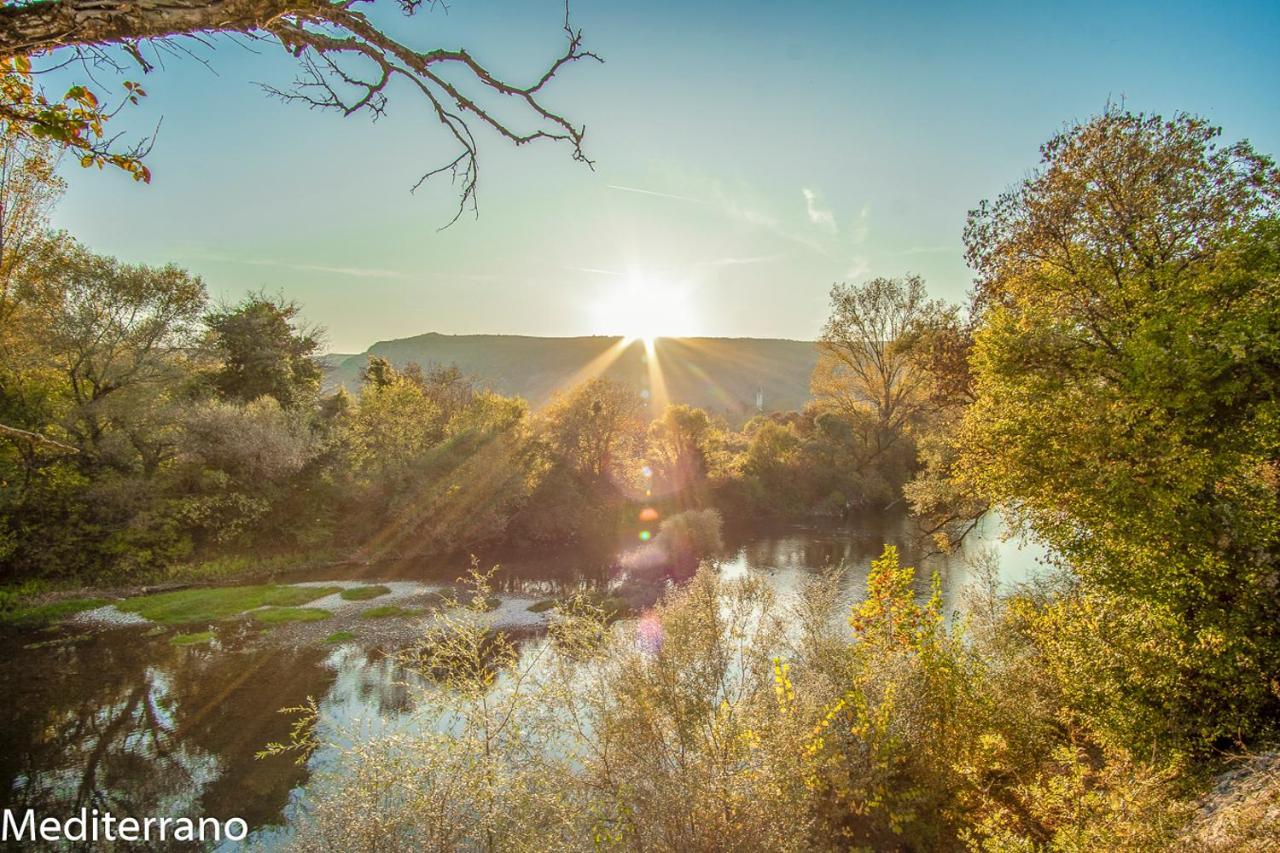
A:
[(643, 309)]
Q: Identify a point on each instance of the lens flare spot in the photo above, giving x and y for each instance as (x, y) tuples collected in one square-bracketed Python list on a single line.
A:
[(645, 536), (647, 471), (648, 514)]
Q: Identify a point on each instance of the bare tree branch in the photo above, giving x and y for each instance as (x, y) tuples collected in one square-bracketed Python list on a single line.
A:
[(347, 62)]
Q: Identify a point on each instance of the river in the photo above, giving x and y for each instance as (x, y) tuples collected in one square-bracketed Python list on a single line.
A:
[(124, 721)]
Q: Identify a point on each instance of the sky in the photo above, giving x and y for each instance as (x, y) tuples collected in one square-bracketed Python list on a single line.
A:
[(748, 155)]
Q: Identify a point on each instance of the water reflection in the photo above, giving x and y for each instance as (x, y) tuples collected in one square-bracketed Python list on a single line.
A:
[(128, 723), (137, 727), (790, 555)]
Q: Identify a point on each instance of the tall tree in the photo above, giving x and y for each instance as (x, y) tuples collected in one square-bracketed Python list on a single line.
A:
[(863, 370), (115, 334), (1126, 377)]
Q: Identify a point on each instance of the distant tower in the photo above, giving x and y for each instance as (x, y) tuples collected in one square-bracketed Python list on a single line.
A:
[(759, 399)]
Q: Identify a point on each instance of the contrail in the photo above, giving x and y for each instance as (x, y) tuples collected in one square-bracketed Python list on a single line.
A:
[(654, 192)]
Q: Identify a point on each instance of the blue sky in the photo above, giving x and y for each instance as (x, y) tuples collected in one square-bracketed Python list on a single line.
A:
[(748, 155)]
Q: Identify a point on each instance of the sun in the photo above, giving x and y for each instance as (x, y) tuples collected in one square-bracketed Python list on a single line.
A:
[(642, 309)]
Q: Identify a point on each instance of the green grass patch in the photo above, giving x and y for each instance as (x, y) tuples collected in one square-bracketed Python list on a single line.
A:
[(192, 639), (340, 637), (55, 611), (389, 611), (279, 615), (212, 603), (544, 605), (364, 593)]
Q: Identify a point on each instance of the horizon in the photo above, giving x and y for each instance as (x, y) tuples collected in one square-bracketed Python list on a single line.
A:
[(629, 339)]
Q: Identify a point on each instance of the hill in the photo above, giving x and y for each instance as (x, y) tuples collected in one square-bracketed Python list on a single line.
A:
[(722, 375)]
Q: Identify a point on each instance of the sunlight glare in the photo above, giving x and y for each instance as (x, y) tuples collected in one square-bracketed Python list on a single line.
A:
[(643, 309)]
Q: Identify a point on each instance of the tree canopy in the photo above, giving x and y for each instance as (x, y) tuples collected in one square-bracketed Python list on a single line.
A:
[(1127, 407)]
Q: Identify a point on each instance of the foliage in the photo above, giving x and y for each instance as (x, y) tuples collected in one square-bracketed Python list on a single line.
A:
[(77, 120), (596, 430), (863, 371), (725, 719), (690, 536), (348, 64), (260, 351), (1125, 410), (687, 454)]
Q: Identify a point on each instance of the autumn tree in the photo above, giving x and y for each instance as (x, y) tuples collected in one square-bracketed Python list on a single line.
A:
[(1125, 410), (596, 429), (115, 336), (261, 350), (862, 369), (939, 346), (349, 59), (685, 449)]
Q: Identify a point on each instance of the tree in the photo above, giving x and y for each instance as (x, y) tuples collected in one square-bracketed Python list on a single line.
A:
[(261, 351), (863, 371), (685, 448), (939, 347), (1126, 376), (29, 187), (348, 61), (596, 429), (391, 429), (115, 334)]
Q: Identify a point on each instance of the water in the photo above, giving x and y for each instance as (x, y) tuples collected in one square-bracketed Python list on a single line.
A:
[(125, 722)]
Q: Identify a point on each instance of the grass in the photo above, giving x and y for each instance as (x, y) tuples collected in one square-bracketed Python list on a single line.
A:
[(192, 639), (388, 611), (364, 593), (53, 612), (340, 637), (212, 603), (280, 615)]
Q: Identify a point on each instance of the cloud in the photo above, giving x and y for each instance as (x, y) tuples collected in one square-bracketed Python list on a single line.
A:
[(819, 215)]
